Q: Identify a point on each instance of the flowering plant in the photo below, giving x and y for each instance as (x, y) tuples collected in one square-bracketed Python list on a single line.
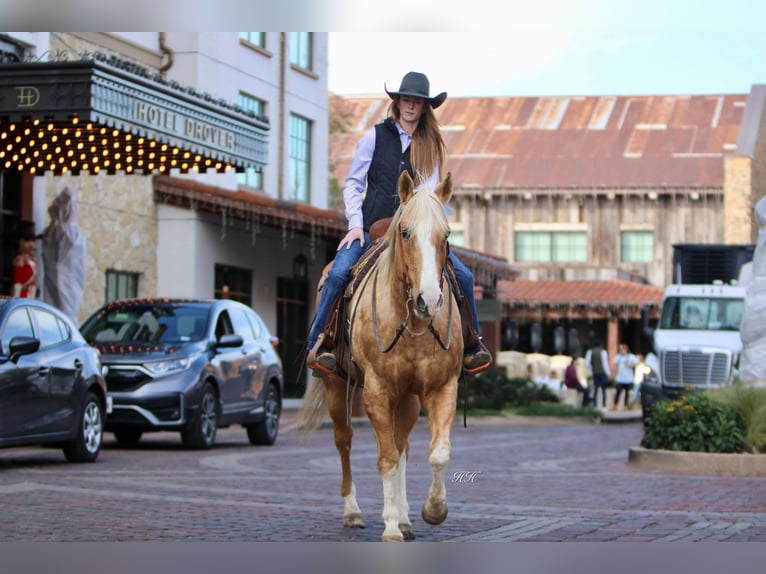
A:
[(692, 422)]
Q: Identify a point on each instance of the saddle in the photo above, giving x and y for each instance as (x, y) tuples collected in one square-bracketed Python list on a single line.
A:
[(335, 332)]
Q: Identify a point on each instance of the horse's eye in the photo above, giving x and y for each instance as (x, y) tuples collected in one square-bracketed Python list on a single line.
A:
[(405, 233)]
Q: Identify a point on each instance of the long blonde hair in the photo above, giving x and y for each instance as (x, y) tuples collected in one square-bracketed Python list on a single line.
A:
[(427, 148)]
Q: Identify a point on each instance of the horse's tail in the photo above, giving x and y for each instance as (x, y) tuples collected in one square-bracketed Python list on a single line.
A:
[(314, 408)]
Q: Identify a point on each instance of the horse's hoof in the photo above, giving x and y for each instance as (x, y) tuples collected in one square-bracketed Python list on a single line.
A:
[(434, 514), (407, 531), (393, 538), (353, 521)]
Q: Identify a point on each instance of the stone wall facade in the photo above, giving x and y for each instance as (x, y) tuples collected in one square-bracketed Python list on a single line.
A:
[(116, 215)]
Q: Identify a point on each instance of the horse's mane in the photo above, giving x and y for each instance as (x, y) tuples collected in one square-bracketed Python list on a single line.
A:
[(423, 207)]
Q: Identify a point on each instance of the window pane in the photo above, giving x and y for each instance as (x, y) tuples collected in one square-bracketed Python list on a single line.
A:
[(255, 38), (17, 325), (300, 49), (251, 177), (570, 247), (121, 285), (50, 330), (637, 246), (533, 246), (299, 159)]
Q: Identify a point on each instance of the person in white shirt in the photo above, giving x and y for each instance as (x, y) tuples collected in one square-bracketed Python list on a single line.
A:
[(625, 363)]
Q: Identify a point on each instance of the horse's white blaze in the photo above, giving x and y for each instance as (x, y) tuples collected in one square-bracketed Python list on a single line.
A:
[(430, 276)]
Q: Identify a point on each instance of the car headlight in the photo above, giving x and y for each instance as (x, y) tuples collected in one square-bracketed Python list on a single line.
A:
[(167, 366)]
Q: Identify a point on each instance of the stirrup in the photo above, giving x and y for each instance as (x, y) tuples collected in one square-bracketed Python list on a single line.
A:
[(320, 359), (478, 362)]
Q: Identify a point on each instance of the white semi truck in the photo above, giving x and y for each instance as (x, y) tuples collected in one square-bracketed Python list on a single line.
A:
[(697, 342)]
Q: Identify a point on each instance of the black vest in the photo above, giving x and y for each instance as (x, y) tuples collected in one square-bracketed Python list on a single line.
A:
[(387, 163)]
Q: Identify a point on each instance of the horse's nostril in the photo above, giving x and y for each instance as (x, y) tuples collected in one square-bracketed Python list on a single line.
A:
[(421, 305)]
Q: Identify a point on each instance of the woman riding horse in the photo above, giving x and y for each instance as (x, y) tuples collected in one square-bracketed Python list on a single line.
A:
[(406, 347), (408, 139)]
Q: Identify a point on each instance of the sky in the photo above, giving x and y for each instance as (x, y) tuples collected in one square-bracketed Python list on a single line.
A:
[(561, 48)]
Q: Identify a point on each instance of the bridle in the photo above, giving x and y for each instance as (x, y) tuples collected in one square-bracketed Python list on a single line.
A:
[(404, 325)]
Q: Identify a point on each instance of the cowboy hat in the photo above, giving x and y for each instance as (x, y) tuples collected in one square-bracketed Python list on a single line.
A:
[(416, 84)]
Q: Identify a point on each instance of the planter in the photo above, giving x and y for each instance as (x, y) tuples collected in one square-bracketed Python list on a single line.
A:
[(682, 462)]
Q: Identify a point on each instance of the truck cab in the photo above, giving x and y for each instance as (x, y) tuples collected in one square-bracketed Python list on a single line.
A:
[(696, 343)]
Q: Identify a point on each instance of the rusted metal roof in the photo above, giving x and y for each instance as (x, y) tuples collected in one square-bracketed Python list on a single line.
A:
[(513, 143)]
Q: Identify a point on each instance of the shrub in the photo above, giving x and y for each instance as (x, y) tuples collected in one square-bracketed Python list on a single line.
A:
[(749, 404), (493, 389), (693, 423)]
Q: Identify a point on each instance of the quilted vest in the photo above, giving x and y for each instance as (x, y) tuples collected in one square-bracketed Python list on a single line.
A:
[(387, 163)]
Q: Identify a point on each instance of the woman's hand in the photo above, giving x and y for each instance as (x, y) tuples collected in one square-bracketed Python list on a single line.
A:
[(352, 235)]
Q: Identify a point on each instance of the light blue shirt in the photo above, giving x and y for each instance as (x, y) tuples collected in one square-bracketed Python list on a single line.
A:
[(356, 182)]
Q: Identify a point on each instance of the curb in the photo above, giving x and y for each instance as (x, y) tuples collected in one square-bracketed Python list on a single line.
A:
[(717, 464)]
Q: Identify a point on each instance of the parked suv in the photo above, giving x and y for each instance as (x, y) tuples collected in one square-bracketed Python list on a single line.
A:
[(190, 366)]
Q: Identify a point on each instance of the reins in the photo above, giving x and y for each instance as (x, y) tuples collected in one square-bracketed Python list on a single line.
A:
[(403, 325)]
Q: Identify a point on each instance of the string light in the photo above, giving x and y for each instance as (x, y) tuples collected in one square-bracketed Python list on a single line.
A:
[(75, 147)]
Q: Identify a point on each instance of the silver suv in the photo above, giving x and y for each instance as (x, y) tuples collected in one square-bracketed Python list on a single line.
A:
[(190, 366)]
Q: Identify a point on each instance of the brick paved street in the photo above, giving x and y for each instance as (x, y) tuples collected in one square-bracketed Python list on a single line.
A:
[(520, 483)]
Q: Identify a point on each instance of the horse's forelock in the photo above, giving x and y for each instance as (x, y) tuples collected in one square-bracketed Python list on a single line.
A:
[(423, 208)]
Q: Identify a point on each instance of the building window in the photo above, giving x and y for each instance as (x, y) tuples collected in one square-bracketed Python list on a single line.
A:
[(551, 247), (254, 38), (457, 235), (121, 285), (301, 49), (299, 158), (251, 177), (637, 246), (233, 283)]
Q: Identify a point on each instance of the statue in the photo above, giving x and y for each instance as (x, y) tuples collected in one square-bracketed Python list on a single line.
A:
[(63, 255), (753, 361)]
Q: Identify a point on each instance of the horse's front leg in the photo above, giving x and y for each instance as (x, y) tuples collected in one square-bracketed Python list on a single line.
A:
[(407, 413), (440, 407), (380, 412), (343, 433)]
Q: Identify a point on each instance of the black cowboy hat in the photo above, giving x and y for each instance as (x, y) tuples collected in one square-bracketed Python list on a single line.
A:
[(416, 84)]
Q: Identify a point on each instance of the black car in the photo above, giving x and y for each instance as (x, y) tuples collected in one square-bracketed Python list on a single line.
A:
[(190, 366), (52, 391)]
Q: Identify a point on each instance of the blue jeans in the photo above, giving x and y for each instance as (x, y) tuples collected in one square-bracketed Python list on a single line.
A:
[(339, 273), (599, 382)]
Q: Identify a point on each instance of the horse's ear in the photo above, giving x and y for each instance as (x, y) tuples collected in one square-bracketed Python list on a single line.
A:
[(444, 190), (406, 187)]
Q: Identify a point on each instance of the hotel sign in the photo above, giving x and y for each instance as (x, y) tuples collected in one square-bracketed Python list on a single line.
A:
[(167, 113)]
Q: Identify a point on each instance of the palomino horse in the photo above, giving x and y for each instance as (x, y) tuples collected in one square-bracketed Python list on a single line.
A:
[(406, 346)]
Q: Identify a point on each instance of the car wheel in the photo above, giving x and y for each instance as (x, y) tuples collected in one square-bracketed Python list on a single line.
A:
[(265, 432), (128, 436), (200, 434), (90, 432)]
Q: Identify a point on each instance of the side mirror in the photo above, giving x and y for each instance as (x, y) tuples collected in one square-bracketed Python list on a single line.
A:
[(647, 330), (22, 346), (230, 340)]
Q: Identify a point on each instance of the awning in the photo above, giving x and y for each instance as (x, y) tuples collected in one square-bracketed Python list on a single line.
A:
[(111, 115)]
